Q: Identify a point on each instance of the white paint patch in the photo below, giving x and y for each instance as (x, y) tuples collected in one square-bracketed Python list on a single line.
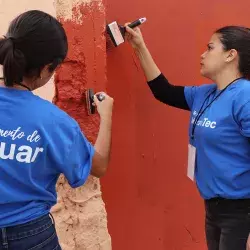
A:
[(64, 9)]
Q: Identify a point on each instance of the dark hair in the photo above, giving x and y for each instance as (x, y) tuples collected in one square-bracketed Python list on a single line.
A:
[(238, 38), (34, 39)]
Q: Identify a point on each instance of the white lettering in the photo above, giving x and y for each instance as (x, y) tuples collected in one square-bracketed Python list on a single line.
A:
[(20, 135), (36, 153), (199, 123), (213, 125), (6, 133), (15, 132), (11, 152), (21, 153), (205, 122), (34, 137), (26, 155)]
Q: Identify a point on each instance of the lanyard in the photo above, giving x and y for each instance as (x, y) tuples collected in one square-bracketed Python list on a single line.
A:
[(24, 86), (201, 112), (20, 84)]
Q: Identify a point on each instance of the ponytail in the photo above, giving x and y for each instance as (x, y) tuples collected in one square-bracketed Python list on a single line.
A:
[(13, 62), (33, 40)]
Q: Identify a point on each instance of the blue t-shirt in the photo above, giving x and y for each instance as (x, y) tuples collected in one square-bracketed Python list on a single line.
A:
[(221, 140), (38, 142)]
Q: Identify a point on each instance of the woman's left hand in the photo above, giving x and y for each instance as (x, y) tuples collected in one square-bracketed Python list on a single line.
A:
[(248, 243)]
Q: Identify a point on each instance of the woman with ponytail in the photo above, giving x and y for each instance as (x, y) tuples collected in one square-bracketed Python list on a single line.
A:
[(38, 141)]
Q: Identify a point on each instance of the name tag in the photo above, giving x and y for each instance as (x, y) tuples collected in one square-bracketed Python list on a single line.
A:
[(191, 161)]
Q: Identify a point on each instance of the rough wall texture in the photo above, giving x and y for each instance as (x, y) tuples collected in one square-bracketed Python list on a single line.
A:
[(155, 206), (80, 213)]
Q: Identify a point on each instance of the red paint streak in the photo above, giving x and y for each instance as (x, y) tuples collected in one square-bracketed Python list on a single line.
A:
[(84, 67)]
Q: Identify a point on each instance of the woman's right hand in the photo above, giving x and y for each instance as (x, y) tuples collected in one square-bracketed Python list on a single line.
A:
[(134, 37), (104, 107)]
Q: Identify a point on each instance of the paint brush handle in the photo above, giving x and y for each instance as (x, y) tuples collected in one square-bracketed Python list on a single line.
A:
[(137, 22), (100, 97)]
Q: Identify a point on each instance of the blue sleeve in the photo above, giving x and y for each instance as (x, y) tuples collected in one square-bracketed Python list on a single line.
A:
[(190, 92), (79, 160), (200, 92), (243, 118)]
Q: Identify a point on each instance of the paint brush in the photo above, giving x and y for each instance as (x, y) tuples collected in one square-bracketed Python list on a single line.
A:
[(117, 32), (90, 100)]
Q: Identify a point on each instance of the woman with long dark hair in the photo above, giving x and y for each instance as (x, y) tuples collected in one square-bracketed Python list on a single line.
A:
[(38, 141)]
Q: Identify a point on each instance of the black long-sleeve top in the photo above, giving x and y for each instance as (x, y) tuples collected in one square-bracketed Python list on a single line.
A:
[(168, 93)]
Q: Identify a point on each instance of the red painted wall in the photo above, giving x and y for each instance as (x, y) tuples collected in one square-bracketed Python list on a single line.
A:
[(85, 65), (150, 202), (80, 214)]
